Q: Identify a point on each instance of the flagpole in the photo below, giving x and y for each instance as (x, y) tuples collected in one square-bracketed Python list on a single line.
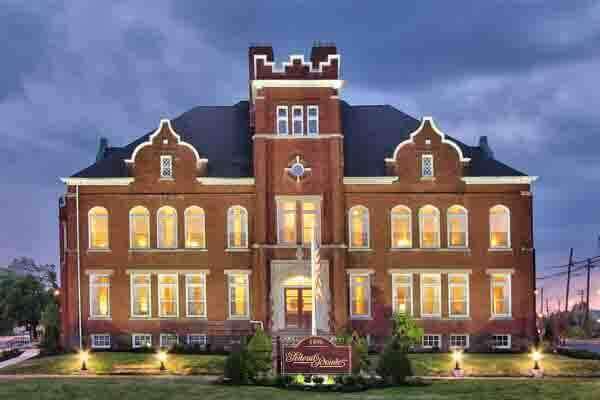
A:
[(314, 285)]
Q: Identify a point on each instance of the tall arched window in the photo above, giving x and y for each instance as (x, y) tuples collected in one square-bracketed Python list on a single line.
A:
[(458, 226), (98, 228), (139, 228), (166, 224), (499, 227), (358, 221), (195, 237), (401, 227), (237, 227), (429, 227)]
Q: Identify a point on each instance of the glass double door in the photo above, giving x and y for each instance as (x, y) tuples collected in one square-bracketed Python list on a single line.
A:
[(298, 307)]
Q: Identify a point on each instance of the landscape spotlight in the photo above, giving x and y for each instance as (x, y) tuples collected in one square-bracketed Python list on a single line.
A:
[(162, 357), (84, 355), (537, 356), (457, 357), (56, 292)]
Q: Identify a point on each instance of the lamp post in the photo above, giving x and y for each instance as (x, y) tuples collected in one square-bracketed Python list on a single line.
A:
[(162, 357), (537, 371), (84, 356), (457, 372)]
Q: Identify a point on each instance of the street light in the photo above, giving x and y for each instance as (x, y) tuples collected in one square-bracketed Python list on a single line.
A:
[(162, 357), (84, 355)]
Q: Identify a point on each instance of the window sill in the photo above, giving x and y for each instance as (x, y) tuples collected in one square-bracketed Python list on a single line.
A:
[(237, 250), (459, 318), (427, 179), (98, 250), (501, 318), (430, 317), (175, 249), (238, 319), (503, 249), (361, 318), (432, 249), (360, 249), (166, 179), (153, 318), (100, 318), (196, 317)]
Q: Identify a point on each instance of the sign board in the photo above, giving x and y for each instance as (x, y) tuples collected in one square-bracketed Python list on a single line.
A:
[(316, 355)]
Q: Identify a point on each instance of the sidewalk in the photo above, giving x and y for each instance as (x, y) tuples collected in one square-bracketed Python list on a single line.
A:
[(27, 354)]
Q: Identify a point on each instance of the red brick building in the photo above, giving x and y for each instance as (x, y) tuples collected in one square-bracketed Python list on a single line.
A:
[(202, 227)]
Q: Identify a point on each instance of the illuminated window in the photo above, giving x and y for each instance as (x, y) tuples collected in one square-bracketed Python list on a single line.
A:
[(501, 295), (458, 295), (360, 295), (297, 120), (100, 341), (429, 226), (139, 228), (140, 295), (195, 287), (499, 227), (431, 295), (99, 296), (282, 120), (427, 166), (239, 296), (358, 217), (166, 167), (401, 227), (141, 340), (458, 227), (310, 221), (402, 293), (194, 228), (237, 227), (167, 227), (168, 340), (432, 341), (313, 119), (168, 294), (287, 221), (98, 228), (297, 216)]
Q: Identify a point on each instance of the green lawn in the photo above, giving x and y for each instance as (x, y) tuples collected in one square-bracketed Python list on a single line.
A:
[(186, 389)]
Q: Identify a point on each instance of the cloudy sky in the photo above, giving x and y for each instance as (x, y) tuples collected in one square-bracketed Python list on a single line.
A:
[(526, 74)]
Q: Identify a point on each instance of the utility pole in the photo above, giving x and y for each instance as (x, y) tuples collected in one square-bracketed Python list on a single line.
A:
[(587, 304), (547, 307), (542, 301), (569, 280)]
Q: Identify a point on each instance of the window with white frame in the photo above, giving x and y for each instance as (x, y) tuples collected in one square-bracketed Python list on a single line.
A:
[(140, 295), (501, 295), (431, 295), (141, 340), (358, 224), (239, 296), (310, 221), (360, 295), (168, 340), (166, 218), (98, 228), (501, 341), (401, 227), (195, 289), (459, 341), (166, 167), (99, 295), (139, 228), (237, 227), (427, 166), (297, 220), (458, 227), (432, 341), (168, 295), (499, 227), (429, 227), (313, 119), (100, 341), (282, 120), (195, 237), (297, 120), (197, 339), (287, 221), (458, 295), (402, 293)]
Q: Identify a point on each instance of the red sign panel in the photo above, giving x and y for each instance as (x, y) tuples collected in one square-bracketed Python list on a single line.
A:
[(315, 355)]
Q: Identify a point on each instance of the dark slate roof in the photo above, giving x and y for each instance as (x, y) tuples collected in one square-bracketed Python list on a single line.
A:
[(371, 133)]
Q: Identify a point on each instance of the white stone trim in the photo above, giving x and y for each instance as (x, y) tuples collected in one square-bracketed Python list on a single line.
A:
[(370, 180), (167, 271), (499, 180), (225, 181), (276, 69), (429, 271), (360, 271), (108, 272), (97, 181), (508, 271), (276, 136), (237, 271)]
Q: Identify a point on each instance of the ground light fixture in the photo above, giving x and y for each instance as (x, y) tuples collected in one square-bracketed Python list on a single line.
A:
[(457, 356), (536, 355), (162, 357), (84, 355)]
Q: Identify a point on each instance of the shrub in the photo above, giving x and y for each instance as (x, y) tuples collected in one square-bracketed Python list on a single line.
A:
[(575, 332), (260, 361), (51, 322), (236, 366), (581, 354), (318, 380), (360, 350), (406, 333), (307, 379), (394, 365)]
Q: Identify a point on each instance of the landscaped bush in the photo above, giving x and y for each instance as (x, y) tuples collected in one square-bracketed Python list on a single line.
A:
[(360, 351), (51, 322), (394, 365), (259, 356), (236, 366), (581, 354)]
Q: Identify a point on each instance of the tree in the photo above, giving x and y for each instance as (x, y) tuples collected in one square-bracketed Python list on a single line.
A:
[(51, 323), (27, 266), (405, 331), (22, 300)]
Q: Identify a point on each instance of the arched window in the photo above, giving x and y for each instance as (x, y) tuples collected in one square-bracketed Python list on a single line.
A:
[(458, 226), (195, 237), (166, 224), (358, 219), (499, 227), (98, 228), (237, 227), (429, 227), (401, 227), (139, 228)]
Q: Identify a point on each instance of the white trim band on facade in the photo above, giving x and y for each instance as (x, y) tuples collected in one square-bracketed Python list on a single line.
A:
[(491, 271), (237, 271), (499, 180), (292, 58), (97, 181), (279, 136), (225, 181), (370, 180), (167, 271), (360, 271), (99, 271), (297, 83), (430, 271)]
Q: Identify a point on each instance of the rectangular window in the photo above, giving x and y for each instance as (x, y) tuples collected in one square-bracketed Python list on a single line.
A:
[(296, 216), (168, 340), (99, 296), (282, 120), (457, 229), (427, 166), (287, 221), (431, 295), (501, 295), (310, 218), (196, 339), (168, 305), (140, 295), (402, 293), (239, 299), (501, 341), (297, 120), (360, 296), (432, 341), (166, 166), (458, 295), (313, 120), (141, 340), (459, 341), (139, 220), (100, 341), (195, 286)]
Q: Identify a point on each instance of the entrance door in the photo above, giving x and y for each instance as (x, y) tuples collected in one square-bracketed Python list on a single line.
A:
[(298, 308)]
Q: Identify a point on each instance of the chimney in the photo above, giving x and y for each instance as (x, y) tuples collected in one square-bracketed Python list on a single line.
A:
[(485, 147), (102, 147), (320, 51)]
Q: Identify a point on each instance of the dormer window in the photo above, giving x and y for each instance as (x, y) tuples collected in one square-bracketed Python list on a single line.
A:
[(166, 167), (427, 166), (313, 119), (297, 120), (282, 120)]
